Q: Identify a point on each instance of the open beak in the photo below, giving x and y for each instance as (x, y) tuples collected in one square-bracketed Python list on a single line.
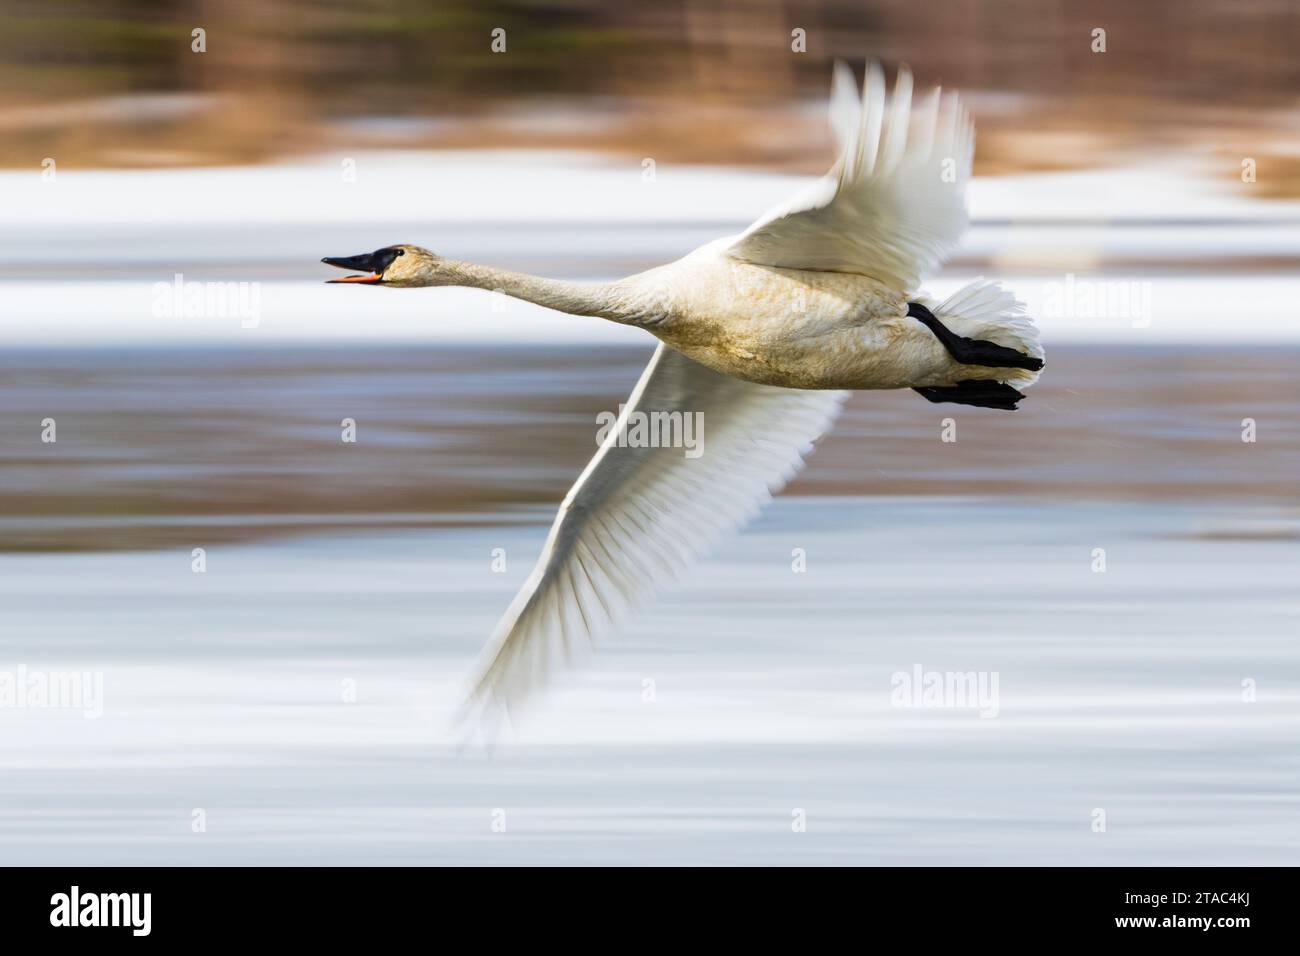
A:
[(371, 264)]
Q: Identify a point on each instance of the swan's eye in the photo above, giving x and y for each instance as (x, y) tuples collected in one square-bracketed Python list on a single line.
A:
[(401, 252)]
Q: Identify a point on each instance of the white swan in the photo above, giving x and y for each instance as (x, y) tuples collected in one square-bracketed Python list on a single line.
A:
[(759, 333)]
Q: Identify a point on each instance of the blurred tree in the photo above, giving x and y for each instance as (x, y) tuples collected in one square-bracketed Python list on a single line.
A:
[(280, 75)]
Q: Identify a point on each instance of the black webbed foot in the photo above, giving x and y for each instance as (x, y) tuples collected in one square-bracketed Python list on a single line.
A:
[(978, 392)]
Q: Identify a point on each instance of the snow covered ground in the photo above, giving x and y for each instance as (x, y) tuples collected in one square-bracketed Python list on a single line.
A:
[(1130, 256)]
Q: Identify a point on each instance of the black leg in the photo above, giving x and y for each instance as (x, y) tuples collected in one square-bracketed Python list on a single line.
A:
[(972, 351)]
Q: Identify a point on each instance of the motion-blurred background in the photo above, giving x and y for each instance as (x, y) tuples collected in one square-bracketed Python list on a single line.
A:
[(116, 83), (165, 200)]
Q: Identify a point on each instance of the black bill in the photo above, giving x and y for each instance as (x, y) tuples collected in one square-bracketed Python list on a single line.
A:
[(372, 264)]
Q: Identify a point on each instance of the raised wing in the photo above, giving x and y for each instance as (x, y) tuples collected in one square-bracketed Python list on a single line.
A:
[(893, 205), (638, 515)]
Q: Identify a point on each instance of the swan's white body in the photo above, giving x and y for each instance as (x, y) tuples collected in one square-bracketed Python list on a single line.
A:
[(760, 334), (799, 328)]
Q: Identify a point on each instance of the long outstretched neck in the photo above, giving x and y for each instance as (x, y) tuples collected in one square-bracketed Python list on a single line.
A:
[(600, 299)]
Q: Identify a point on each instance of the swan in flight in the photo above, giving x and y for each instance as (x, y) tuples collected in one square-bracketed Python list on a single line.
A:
[(760, 335)]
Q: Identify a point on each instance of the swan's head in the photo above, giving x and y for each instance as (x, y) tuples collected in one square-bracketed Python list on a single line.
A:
[(403, 266)]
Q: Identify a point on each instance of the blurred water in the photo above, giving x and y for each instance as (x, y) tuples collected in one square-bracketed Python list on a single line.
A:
[(184, 447), (371, 562), (1119, 690)]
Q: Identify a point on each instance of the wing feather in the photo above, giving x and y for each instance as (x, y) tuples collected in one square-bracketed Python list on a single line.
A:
[(893, 205), (637, 516)]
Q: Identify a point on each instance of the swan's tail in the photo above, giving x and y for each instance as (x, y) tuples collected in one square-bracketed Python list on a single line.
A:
[(984, 310)]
